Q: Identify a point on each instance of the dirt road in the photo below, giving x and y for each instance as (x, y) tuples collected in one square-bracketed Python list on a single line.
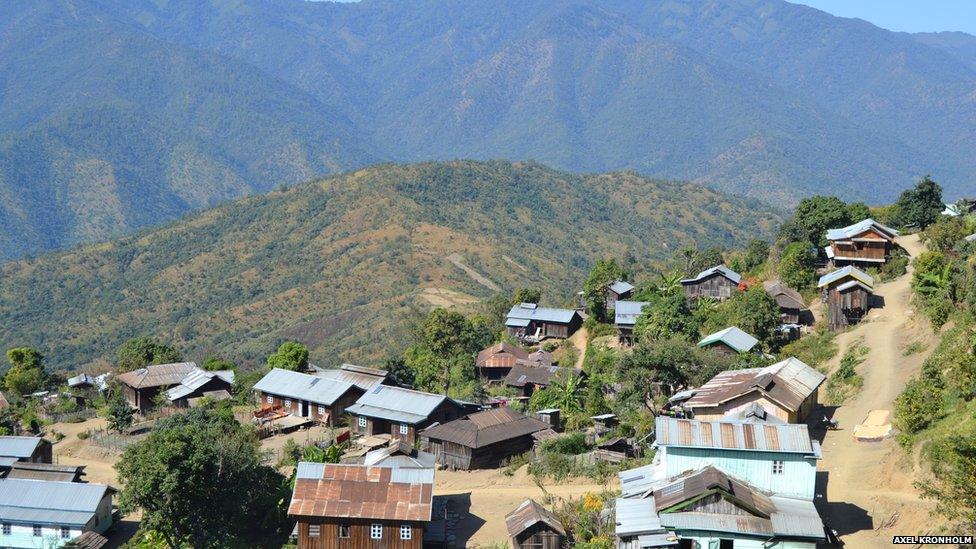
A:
[(869, 488)]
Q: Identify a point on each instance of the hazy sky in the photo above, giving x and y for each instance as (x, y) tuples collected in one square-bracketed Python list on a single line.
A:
[(905, 15)]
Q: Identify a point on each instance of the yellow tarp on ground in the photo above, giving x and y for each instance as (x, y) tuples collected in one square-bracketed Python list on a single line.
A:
[(874, 427)]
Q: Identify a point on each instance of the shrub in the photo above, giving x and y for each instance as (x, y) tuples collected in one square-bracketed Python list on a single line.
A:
[(516, 462), (814, 349), (573, 444), (84, 435), (917, 406)]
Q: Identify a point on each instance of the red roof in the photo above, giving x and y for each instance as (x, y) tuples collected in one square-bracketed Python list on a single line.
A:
[(501, 355), (358, 491)]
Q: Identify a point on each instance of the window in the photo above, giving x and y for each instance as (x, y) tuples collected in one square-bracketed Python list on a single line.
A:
[(65, 532), (343, 530), (376, 531), (6, 528), (321, 410), (314, 530), (287, 403), (404, 428), (270, 399), (778, 467), (362, 422), (37, 529), (406, 532)]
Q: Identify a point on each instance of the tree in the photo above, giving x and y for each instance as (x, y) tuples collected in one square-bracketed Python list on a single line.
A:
[(666, 316), (604, 273), (140, 352), (951, 484), (447, 333), (199, 480), (756, 254), (797, 265), (527, 295), (399, 372), (858, 211), (813, 216), (705, 259), (655, 370), (566, 393), (26, 373), (921, 205), (119, 413), (214, 364), (946, 234), (753, 310), (291, 355)]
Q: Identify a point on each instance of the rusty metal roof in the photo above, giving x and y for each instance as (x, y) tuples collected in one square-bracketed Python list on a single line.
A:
[(157, 375), (46, 471), (359, 491), (484, 428), (788, 383), (523, 374), (529, 513), (501, 355), (685, 488), (789, 438)]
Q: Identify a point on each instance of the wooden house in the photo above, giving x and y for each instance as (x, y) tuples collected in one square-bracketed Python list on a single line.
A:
[(46, 471), (48, 513), (482, 440), (730, 341), (15, 449), (764, 451), (532, 526), (718, 282), (361, 376), (787, 390), (793, 311), (401, 412), (141, 387), (617, 291), (529, 322), (323, 400), (197, 384), (847, 293), (864, 243), (494, 362), (712, 508), (527, 377), (625, 316), (352, 506)]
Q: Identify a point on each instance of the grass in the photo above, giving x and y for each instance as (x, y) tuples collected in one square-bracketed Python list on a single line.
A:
[(814, 349), (913, 348), (846, 382)]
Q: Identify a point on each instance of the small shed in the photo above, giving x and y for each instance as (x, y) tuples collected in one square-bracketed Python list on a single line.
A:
[(527, 378), (730, 341), (789, 301), (550, 416), (625, 316), (529, 322), (621, 289), (847, 292), (718, 282), (532, 526), (494, 362), (482, 440)]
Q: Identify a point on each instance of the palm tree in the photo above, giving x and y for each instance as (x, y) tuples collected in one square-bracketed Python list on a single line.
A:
[(669, 284)]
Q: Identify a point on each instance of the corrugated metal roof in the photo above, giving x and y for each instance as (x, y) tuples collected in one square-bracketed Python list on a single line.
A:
[(501, 355), (788, 382), (484, 428), (157, 375), (621, 287), (81, 379), (718, 269), (844, 272), (397, 404), (299, 386), (46, 471), (636, 516), (358, 491), (732, 336), (528, 514), (18, 447), (396, 455), (195, 379), (790, 438), (49, 502), (852, 284), (530, 311), (637, 481), (851, 231), (625, 313), (523, 374), (360, 378)]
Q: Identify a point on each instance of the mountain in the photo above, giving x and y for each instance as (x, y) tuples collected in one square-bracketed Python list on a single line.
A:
[(960, 45), (130, 112), (341, 263)]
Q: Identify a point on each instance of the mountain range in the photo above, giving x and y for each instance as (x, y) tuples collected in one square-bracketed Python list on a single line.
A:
[(120, 114), (344, 263)]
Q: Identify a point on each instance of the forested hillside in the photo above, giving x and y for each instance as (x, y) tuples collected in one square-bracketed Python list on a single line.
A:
[(344, 263), (132, 112)]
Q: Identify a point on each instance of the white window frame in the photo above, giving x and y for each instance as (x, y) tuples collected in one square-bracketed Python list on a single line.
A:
[(376, 531), (779, 467), (361, 420), (270, 399), (321, 410), (65, 532), (406, 532), (343, 527), (37, 530), (404, 429), (314, 530), (288, 403), (6, 528)]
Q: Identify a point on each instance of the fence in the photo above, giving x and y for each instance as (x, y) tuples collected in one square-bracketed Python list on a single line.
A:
[(72, 417), (111, 440)]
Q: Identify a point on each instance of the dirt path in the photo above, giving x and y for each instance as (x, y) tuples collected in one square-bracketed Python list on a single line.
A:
[(869, 484), (579, 340), (492, 495)]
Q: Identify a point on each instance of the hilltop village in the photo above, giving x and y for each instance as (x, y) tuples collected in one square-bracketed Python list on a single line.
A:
[(733, 398)]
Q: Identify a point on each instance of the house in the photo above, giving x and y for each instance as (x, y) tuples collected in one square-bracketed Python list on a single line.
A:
[(787, 390), (718, 282), (401, 412), (320, 399), (494, 362), (711, 508), (792, 307), (637, 525), (730, 341), (360, 376), (482, 440), (847, 293), (529, 322), (198, 383), (348, 506), (764, 451), (527, 378), (141, 387), (866, 242), (617, 291), (47, 513), (398, 454), (532, 526), (625, 315), (46, 471), (24, 449)]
